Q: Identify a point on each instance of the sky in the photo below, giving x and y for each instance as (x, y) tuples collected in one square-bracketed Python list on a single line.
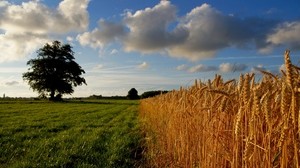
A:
[(148, 44)]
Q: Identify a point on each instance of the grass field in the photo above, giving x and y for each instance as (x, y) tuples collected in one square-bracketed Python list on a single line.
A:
[(69, 134)]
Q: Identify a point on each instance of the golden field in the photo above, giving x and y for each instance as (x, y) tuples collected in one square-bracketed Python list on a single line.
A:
[(235, 123)]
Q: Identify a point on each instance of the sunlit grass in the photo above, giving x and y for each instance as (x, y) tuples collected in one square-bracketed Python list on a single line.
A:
[(69, 134)]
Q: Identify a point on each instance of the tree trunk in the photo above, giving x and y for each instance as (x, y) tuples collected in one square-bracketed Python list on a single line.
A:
[(52, 95)]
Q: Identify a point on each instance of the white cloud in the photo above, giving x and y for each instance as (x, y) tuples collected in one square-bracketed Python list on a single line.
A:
[(17, 46), (106, 33), (258, 68), (3, 3), (148, 28), (282, 68), (27, 26), (228, 67), (69, 38), (114, 51), (182, 67), (33, 16), (286, 34), (143, 65), (202, 68)]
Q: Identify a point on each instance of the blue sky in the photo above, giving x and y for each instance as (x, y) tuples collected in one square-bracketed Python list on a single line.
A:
[(148, 45)]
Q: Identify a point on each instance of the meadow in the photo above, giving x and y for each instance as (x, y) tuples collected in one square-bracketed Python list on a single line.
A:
[(99, 133)]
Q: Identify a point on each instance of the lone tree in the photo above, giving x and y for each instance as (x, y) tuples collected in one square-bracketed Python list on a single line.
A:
[(133, 94), (54, 71)]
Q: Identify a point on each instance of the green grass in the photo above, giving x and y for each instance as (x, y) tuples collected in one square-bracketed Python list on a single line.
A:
[(70, 134)]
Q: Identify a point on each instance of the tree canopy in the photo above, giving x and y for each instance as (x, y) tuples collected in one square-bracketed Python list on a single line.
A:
[(133, 94), (54, 72), (153, 93)]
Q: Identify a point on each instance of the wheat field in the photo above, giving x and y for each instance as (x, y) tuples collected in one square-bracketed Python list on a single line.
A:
[(235, 123)]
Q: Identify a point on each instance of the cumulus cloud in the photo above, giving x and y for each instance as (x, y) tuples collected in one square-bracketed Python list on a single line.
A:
[(33, 16), (286, 34), (209, 30), (17, 46), (106, 33), (143, 65), (27, 26), (228, 67), (201, 33), (148, 28)]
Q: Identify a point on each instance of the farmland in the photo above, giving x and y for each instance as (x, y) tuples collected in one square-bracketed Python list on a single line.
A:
[(234, 123), (69, 134)]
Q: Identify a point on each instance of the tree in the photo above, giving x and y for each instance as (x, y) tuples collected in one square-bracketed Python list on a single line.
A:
[(133, 94), (54, 71), (153, 93)]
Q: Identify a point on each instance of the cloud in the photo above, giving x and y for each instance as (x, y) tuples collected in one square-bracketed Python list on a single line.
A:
[(4, 3), (286, 34), (282, 68), (148, 29), (99, 66), (12, 83), (27, 26), (114, 51), (69, 38), (182, 67), (33, 16), (258, 68), (224, 67), (202, 68), (106, 33), (143, 65), (199, 34), (228, 67), (17, 46), (209, 31)]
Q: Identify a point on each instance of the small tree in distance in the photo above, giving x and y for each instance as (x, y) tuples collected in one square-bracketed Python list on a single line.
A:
[(133, 94), (54, 71)]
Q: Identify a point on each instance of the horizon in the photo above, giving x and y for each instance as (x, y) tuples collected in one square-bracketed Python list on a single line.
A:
[(151, 45)]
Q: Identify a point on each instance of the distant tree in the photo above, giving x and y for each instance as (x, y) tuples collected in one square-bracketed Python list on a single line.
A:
[(153, 93), (95, 96), (54, 71), (133, 94)]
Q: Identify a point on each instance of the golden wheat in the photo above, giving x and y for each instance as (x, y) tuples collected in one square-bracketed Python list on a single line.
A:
[(226, 124)]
